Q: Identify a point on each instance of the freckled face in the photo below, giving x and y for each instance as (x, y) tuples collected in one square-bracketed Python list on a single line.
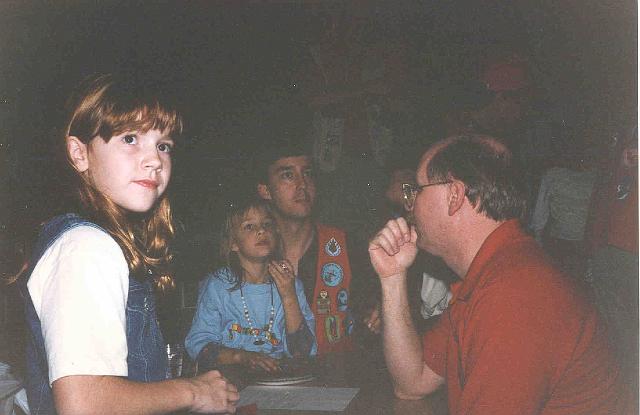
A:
[(291, 187), (132, 169)]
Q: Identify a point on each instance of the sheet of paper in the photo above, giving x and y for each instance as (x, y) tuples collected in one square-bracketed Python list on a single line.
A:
[(299, 398)]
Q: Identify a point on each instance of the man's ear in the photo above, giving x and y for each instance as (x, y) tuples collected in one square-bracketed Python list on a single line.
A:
[(77, 151), (263, 191), (456, 196)]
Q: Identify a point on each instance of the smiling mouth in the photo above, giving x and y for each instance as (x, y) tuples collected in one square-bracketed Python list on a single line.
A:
[(150, 184)]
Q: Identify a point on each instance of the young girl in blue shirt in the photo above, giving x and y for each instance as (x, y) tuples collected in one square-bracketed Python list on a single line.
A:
[(94, 343), (252, 311)]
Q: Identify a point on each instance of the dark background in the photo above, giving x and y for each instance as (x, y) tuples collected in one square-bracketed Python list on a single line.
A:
[(233, 68)]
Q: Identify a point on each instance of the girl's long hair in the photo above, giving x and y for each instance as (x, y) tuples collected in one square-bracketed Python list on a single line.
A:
[(102, 107), (235, 215)]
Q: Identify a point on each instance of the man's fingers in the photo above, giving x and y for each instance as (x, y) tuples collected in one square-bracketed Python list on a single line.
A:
[(383, 242), (395, 233), (405, 229), (413, 235), (395, 229), (393, 236)]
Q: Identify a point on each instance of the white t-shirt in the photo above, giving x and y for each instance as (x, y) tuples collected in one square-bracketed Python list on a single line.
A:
[(79, 289)]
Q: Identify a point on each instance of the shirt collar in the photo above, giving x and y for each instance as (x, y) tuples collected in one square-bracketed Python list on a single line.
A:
[(504, 234)]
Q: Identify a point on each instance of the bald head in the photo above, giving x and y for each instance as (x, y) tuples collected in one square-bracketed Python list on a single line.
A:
[(493, 183)]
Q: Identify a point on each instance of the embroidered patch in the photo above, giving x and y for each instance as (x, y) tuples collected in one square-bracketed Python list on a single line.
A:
[(342, 299), (332, 274), (348, 324), (332, 248), (332, 328), (323, 303)]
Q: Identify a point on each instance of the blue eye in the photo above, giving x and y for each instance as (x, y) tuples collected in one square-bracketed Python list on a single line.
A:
[(129, 139), (287, 175), (165, 147)]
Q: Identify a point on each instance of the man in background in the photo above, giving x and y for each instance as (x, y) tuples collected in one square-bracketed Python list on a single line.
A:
[(319, 253)]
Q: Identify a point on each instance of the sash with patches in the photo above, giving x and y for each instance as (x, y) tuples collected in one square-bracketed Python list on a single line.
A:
[(331, 294)]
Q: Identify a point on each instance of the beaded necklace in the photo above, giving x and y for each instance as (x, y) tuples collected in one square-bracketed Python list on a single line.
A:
[(268, 334)]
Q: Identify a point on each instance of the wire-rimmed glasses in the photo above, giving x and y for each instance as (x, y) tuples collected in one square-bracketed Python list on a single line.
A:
[(410, 191)]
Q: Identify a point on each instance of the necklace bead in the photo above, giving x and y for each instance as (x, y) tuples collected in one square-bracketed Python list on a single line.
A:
[(268, 330)]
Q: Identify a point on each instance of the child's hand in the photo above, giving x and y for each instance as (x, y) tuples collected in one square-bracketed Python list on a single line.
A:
[(255, 360), (282, 274), (373, 319)]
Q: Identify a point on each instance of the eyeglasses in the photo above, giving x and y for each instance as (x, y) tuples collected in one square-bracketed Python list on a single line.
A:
[(410, 191)]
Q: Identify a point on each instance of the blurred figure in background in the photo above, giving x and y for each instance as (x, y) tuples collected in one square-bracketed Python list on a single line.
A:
[(613, 247), (510, 116), (560, 213), (354, 81)]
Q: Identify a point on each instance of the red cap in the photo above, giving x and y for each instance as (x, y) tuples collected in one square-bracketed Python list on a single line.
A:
[(506, 76)]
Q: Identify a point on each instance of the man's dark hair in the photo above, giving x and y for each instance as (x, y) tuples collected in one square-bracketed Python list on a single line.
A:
[(274, 150), (494, 183)]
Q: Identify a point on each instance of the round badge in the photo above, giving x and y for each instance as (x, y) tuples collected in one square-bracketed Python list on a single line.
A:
[(332, 274), (332, 248)]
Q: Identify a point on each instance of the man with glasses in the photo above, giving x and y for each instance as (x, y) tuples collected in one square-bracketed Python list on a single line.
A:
[(518, 336)]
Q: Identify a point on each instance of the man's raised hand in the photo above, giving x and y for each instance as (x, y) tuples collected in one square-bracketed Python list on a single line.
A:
[(393, 249)]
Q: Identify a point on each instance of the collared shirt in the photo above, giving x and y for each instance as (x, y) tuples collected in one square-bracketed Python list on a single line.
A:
[(519, 337)]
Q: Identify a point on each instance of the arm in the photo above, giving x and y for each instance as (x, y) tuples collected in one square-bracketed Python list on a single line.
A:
[(81, 294), (282, 273), (300, 339), (303, 341), (206, 327), (115, 395), (392, 251), (213, 355)]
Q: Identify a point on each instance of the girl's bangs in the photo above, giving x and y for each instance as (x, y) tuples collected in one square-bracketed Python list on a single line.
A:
[(141, 118)]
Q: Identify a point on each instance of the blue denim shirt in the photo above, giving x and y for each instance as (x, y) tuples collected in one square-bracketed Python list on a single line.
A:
[(146, 359)]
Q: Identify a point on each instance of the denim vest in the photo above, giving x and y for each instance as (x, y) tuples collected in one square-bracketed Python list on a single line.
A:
[(146, 360)]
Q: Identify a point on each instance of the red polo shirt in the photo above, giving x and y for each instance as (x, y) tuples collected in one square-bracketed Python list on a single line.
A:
[(520, 338)]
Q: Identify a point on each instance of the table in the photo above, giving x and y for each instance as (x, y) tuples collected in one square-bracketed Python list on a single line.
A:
[(364, 371)]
